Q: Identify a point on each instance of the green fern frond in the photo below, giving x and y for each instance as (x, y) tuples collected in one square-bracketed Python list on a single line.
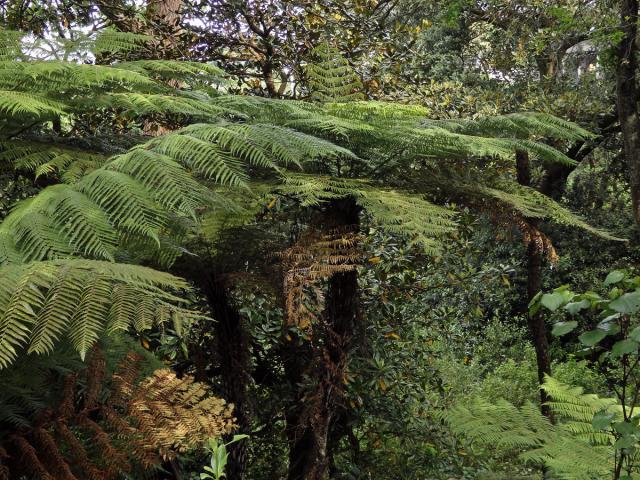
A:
[(268, 145), (570, 449), (125, 200), (523, 125), (57, 222), (408, 215), (304, 116), (46, 160), (142, 104), (109, 40), (572, 403), (10, 44), (379, 113), (177, 70), (204, 158), (167, 181), (330, 77), (313, 190), (51, 75), (533, 204), (20, 103), (42, 302)]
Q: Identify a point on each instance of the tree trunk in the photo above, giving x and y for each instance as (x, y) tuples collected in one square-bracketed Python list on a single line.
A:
[(231, 346), (164, 12), (627, 98), (309, 457), (296, 361), (535, 265), (537, 326)]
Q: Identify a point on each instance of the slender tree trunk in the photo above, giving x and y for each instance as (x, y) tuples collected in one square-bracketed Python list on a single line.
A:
[(627, 98), (535, 266), (309, 458)]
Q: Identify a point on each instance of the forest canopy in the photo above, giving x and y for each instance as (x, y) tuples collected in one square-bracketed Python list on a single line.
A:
[(311, 240)]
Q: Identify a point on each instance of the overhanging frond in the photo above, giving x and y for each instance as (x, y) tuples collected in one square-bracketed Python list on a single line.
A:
[(42, 302)]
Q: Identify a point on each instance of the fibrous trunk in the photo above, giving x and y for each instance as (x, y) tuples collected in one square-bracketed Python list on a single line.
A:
[(231, 346), (627, 98), (332, 342), (535, 265)]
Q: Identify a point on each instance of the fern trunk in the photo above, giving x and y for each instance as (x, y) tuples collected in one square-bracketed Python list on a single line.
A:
[(232, 349), (535, 265), (627, 98), (309, 454), (537, 326)]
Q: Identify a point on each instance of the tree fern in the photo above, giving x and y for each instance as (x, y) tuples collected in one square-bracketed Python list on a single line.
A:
[(134, 200), (135, 193)]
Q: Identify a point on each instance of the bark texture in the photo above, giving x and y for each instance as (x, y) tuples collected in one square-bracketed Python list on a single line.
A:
[(309, 453), (627, 98), (535, 265), (231, 347)]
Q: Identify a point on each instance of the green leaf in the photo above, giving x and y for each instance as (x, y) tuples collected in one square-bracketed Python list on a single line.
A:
[(552, 301), (635, 334), (628, 303), (626, 441), (575, 307), (562, 328), (602, 420), (625, 428), (237, 438), (592, 337), (610, 324), (534, 304), (624, 347), (614, 277)]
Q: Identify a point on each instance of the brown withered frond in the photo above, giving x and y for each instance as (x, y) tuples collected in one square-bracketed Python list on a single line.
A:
[(536, 240), (314, 258), (141, 424), (532, 237), (173, 415)]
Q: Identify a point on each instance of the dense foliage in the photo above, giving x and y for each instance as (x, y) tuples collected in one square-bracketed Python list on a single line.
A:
[(304, 240)]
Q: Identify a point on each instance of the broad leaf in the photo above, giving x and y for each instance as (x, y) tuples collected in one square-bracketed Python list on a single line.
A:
[(628, 303), (635, 334), (553, 301), (614, 277), (602, 420), (626, 441), (592, 337), (624, 347), (575, 307), (562, 328)]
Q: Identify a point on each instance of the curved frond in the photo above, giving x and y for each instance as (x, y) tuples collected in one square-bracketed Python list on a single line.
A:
[(42, 302)]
